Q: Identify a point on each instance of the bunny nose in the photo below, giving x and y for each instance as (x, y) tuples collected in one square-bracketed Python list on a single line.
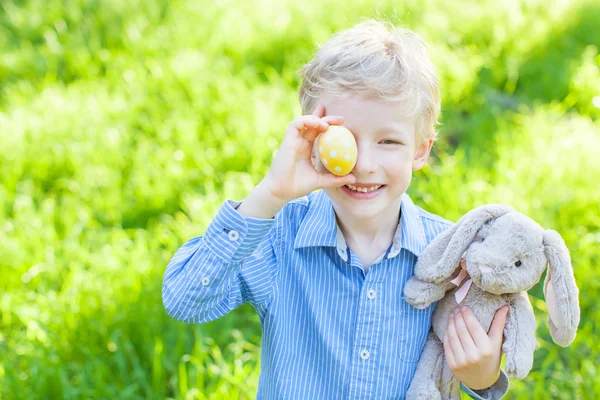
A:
[(484, 269)]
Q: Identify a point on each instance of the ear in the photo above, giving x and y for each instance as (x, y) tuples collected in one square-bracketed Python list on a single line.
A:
[(560, 290), (422, 154), (442, 256)]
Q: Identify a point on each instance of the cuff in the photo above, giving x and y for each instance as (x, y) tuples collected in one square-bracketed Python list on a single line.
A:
[(233, 237), (494, 392)]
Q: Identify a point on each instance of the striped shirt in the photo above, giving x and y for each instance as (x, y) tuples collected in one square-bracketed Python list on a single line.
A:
[(330, 329)]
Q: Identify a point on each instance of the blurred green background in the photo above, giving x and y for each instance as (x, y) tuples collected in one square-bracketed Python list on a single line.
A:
[(124, 125)]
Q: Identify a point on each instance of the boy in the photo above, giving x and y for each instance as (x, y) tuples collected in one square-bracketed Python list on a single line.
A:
[(325, 269)]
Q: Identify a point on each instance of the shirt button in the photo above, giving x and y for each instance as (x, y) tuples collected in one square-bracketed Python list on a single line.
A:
[(205, 281), (365, 355), (371, 294), (233, 235)]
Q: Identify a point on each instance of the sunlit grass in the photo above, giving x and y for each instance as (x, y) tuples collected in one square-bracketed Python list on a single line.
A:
[(124, 126)]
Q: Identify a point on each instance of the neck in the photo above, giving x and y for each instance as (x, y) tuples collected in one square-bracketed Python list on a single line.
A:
[(369, 232)]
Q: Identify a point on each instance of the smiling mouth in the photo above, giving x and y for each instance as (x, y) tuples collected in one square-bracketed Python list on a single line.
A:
[(363, 189)]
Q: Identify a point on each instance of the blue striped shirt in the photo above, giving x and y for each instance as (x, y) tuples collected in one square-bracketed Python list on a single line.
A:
[(330, 330)]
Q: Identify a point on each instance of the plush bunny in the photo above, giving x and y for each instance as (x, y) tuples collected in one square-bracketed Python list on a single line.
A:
[(504, 254)]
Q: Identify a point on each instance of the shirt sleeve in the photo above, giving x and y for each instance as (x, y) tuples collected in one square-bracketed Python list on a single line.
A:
[(494, 392), (233, 263)]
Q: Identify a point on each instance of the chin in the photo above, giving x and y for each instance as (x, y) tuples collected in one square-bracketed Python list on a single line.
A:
[(363, 212), (359, 208)]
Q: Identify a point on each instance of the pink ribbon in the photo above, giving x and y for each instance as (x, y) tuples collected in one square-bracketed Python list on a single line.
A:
[(462, 292)]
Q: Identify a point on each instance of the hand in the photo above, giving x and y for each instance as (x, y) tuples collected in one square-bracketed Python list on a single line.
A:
[(474, 356), (292, 173)]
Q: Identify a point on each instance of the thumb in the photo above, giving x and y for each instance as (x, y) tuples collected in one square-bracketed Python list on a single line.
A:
[(496, 331), (327, 179)]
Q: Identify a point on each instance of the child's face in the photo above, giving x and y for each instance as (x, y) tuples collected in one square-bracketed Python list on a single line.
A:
[(387, 155)]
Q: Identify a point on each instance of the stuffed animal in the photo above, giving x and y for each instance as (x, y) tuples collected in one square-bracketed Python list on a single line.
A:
[(490, 258)]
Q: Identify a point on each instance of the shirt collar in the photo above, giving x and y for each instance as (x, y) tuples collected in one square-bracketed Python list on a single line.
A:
[(413, 232), (319, 228)]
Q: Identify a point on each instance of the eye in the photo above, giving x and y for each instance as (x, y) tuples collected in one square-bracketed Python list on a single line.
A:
[(390, 141), (518, 264)]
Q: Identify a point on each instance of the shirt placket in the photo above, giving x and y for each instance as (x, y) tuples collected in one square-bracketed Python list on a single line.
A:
[(363, 380)]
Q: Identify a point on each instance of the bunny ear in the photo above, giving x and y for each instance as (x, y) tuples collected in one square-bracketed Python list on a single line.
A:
[(441, 257), (427, 267), (560, 290)]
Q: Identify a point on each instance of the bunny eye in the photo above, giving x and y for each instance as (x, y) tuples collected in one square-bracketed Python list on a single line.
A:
[(518, 264)]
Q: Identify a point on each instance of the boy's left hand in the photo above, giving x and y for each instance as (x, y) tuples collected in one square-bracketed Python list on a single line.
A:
[(472, 355)]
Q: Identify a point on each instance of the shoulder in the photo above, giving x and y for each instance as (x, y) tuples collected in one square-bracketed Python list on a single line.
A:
[(433, 224), (299, 206), (434, 218), (296, 210)]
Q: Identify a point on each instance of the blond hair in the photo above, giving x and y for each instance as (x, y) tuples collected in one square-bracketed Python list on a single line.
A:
[(376, 60)]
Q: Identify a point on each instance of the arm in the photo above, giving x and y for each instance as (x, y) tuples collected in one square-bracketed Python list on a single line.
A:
[(519, 345), (421, 294), (234, 263), (474, 355)]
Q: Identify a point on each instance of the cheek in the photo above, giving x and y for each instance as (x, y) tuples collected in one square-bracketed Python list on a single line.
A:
[(397, 164), (525, 278), (396, 156), (320, 167), (540, 264)]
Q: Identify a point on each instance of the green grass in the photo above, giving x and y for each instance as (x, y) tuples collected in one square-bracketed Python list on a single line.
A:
[(124, 125)]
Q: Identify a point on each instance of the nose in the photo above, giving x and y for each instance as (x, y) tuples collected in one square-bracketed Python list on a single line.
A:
[(365, 160)]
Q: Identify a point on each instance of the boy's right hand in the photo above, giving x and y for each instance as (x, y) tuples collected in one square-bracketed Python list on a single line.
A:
[(292, 173)]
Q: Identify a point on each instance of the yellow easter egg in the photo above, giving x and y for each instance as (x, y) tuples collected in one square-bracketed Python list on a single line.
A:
[(337, 150)]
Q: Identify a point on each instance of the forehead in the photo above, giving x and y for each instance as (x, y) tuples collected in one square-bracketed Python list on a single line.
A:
[(369, 115), (522, 231)]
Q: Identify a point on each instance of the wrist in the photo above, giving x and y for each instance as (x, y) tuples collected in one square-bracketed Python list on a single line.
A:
[(481, 385), (272, 194), (261, 203), (482, 394)]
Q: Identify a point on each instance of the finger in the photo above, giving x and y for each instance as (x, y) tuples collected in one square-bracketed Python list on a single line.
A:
[(319, 111), (454, 341), (450, 359), (496, 331), (312, 134), (327, 179), (309, 127), (463, 334), (333, 119), (480, 337), (308, 122)]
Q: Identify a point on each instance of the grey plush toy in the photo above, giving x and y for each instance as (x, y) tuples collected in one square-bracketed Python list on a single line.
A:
[(502, 253)]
